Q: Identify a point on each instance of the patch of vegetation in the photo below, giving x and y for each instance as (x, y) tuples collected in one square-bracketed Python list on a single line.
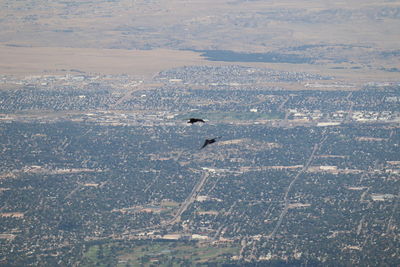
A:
[(271, 57), (391, 69), (176, 254), (99, 255), (160, 253)]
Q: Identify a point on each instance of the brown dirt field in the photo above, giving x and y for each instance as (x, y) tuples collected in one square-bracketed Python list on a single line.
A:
[(12, 214), (143, 63)]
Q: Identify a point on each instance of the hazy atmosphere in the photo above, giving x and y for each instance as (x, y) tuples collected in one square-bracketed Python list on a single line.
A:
[(199, 133)]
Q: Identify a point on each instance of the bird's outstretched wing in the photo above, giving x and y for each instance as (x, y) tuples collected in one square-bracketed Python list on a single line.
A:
[(205, 144), (210, 141)]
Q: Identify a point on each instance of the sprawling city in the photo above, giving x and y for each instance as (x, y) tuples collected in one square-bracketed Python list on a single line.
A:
[(295, 159), (93, 166)]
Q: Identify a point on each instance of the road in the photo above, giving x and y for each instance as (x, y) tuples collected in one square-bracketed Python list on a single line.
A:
[(306, 166), (286, 198), (189, 200), (128, 95)]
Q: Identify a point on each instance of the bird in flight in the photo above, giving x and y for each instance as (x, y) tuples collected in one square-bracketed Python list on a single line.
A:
[(194, 120), (209, 141)]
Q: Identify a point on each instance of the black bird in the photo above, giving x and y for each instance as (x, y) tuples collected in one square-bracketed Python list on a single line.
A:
[(194, 120), (209, 141)]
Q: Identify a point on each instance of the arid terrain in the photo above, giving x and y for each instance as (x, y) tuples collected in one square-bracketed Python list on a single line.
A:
[(344, 38)]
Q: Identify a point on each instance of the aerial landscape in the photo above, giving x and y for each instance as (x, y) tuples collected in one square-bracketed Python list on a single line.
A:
[(200, 133)]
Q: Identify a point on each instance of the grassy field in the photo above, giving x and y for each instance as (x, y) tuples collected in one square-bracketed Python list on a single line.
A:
[(147, 253), (167, 253), (98, 255)]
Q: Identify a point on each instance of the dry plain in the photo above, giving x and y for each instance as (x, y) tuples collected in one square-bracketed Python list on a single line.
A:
[(354, 41)]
